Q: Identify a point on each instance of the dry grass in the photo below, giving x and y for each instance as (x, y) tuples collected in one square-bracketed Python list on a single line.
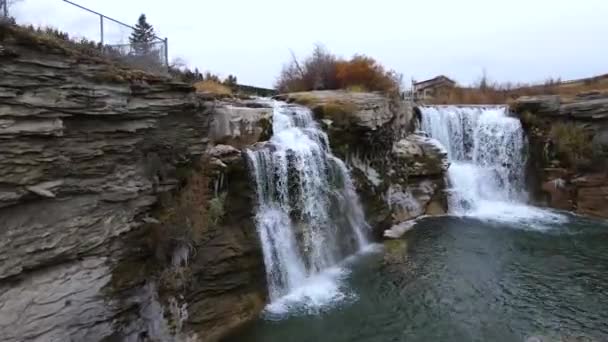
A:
[(212, 87), (503, 94), (356, 88), (339, 111), (304, 99)]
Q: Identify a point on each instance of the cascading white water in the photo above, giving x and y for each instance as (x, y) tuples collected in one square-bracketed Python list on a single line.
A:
[(308, 217), (486, 150)]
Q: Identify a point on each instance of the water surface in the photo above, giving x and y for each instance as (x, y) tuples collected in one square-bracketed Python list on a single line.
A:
[(464, 279)]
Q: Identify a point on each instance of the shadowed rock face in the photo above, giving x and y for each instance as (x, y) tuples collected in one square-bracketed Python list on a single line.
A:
[(84, 159), (559, 184)]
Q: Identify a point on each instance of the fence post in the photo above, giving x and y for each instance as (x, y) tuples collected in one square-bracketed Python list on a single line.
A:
[(101, 30), (4, 8), (167, 52)]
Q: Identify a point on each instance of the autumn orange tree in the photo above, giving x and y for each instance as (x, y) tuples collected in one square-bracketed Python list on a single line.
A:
[(365, 72), (323, 70)]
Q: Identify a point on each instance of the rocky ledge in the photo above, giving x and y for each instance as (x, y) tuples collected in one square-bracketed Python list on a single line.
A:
[(120, 218), (569, 150), (399, 175)]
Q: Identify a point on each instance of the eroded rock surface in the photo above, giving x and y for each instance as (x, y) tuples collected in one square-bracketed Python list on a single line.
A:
[(575, 179), (88, 153)]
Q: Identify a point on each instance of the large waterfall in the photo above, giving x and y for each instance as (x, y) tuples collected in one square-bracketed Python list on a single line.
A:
[(308, 217), (486, 150)]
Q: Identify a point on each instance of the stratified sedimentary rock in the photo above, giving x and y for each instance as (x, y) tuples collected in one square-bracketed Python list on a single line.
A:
[(575, 179), (95, 162)]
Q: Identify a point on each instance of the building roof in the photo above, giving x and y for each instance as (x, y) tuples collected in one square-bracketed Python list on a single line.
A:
[(433, 81)]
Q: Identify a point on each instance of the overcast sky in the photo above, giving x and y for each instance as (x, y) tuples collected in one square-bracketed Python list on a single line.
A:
[(513, 40)]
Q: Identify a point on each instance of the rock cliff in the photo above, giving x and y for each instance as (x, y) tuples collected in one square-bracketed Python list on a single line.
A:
[(569, 147), (120, 218), (399, 175)]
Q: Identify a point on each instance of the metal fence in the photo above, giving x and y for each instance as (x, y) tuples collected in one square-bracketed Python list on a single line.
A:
[(152, 56), (3, 9)]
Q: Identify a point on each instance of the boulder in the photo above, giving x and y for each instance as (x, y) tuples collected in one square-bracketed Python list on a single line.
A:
[(423, 156), (237, 125)]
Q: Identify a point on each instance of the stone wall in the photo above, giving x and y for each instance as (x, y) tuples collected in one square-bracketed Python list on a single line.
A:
[(96, 164), (569, 150)]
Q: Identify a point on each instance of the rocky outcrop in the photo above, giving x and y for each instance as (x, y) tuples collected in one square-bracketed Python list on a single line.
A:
[(241, 124), (569, 148), (120, 220), (399, 175), (355, 120)]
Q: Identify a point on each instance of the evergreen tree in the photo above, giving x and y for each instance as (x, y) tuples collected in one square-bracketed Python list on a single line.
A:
[(142, 36), (231, 82)]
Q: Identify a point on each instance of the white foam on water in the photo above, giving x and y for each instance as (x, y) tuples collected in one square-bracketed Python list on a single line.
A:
[(320, 292), (316, 293)]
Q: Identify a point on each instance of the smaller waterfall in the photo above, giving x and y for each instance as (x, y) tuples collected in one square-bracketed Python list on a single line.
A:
[(309, 217), (486, 148), (487, 151)]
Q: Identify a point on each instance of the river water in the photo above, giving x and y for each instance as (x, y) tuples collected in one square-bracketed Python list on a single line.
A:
[(465, 279), (494, 269)]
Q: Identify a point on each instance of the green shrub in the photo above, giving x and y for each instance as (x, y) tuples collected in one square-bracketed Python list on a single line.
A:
[(340, 112), (530, 120), (573, 143)]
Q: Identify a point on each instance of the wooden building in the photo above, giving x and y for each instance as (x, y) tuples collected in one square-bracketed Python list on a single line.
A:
[(430, 88)]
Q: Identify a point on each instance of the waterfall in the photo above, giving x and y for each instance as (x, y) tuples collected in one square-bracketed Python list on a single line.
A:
[(308, 216), (486, 150)]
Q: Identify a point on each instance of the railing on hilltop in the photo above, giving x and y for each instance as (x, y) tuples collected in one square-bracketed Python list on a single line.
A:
[(3, 9), (151, 56)]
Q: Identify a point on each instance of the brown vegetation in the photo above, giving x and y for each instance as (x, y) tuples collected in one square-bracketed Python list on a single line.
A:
[(212, 87), (323, 70), (486, 92), (340, 112)]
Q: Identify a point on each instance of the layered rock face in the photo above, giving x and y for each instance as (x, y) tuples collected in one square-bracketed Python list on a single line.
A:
[(399, 175), (120, 220), (569, 147)]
